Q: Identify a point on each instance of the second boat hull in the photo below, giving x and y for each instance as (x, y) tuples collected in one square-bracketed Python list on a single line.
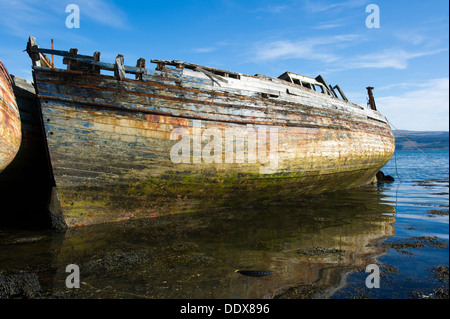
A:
[(10, 133)]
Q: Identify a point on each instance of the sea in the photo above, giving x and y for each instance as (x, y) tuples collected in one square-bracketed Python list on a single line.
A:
[(383, 241)]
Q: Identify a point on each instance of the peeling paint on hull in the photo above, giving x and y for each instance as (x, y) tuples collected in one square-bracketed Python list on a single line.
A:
[(10, 133), (26, 184), (109, 143)]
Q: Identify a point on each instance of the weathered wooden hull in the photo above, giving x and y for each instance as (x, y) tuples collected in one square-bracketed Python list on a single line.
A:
[(110, 143), (10, 133), (26, 184)]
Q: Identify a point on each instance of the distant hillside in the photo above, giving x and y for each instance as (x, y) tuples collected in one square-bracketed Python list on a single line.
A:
[(425, 140)]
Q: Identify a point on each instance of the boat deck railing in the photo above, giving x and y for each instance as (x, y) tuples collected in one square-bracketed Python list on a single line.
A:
[(92, 64), (77, 63)]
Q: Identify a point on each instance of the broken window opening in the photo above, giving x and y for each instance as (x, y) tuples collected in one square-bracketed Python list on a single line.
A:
[(322, 89), (306, 85), (268, 95)]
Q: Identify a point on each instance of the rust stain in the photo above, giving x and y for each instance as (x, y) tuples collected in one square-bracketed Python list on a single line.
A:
[(10, 129)]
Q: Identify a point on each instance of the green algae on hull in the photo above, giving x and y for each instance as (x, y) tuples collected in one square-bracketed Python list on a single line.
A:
[(183, 194)]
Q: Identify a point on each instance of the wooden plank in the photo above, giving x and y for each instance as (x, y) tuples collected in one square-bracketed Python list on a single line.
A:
[(70, 54), (320, 79), (193, 66), (232, 109), (37, 58), (119, 69), (95, 69), (341, 92), (141, 65), (211, 75)]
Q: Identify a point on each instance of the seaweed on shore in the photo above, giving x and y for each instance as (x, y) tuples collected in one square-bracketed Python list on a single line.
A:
[(319, 251), (308, 291), (436, 212), (441, 275), (19, 285), (405, 246)]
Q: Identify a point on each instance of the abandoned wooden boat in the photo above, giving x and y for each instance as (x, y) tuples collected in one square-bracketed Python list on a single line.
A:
[(183, 137), (10, 133)]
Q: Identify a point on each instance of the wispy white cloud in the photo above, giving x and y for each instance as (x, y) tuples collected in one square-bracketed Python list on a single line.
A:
[(19, 17), (429, 36), (407, 85), (413, 38), (390, 58), (326, 26), (204, 50), (272, 9), (103, 12), (312, 48), (321, 6), (334, 54), (426, 107)]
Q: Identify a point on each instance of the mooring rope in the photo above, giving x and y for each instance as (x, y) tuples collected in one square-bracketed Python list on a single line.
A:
[(417, 147), (395, 160)]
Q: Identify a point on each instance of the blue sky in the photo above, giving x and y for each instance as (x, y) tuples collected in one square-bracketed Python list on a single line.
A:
[(405, 59)]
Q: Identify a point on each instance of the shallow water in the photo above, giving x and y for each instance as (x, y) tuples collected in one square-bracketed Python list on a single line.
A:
[(421, 190), (313, 248)]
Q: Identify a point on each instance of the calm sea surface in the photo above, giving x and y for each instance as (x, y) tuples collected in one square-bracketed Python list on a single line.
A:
[(316, 248), (420, 196)]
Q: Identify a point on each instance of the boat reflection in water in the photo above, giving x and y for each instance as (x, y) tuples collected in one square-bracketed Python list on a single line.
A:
[(196, 255)]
